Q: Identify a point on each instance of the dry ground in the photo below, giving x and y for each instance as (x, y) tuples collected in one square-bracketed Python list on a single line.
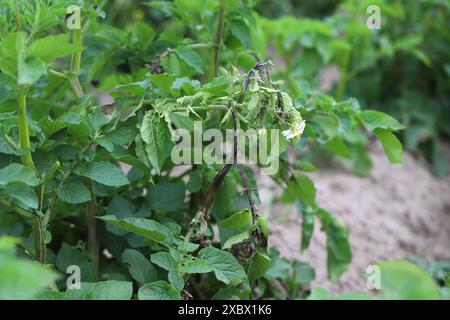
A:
[(397, 211)]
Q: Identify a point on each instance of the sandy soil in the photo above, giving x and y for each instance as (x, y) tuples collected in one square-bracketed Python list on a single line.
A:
[(397, 211)]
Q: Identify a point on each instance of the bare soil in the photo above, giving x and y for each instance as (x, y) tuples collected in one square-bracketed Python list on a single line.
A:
[(395, 212)]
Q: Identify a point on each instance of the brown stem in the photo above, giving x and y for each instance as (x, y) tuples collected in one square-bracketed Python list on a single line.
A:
[(39, 239), (248, 191), (91, 208), (214, 65)]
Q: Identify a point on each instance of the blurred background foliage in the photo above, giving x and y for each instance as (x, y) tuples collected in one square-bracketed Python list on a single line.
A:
[(402, 68)]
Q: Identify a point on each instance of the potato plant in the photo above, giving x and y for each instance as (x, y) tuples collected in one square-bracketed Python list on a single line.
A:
[(89, 189)]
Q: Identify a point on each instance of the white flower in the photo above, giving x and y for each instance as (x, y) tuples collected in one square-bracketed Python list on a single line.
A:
[(294, 131)]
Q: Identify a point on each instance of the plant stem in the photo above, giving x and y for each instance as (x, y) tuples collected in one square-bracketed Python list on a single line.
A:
[(91, 208), (16, 209), (10, 143), (24, 134), (39, 239), (75, 63), (52, 171), (200, 108), (16, 13), (27, 160), (59, 74), (214, 63)]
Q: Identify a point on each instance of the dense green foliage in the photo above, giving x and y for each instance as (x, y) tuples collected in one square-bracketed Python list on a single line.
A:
[(93, 185)]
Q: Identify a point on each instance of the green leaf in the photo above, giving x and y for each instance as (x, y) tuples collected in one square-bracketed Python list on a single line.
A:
[(302, 188), (320, 294), (68, 255), (374, 119), (30, 70), (176, 280), (303, 273), (18, 173), (52, 47), (110, 290), (165, 261), (158, 139), (307, 228), (196, 265), (240, 30), (327, 126), (139, 267), (191, 58), (339, 254), (166, 195), (391, 145), (147, 228), (238, 221), (163, 81), (158, 290), (404, 280), (23, 195), (338, 147), (182, 120), (258, 266), (21, 278), (11, 49), (225, 266), (107, 174), (74, 192), (142, 35)]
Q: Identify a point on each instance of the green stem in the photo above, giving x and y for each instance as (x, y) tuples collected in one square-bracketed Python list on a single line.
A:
[(16, 209), (27, 160), (200, 108), (59, 74), (24, 133), (52, 171), (343, 80), (16, 13), (75, 63), (10, 143), (214, 62)]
